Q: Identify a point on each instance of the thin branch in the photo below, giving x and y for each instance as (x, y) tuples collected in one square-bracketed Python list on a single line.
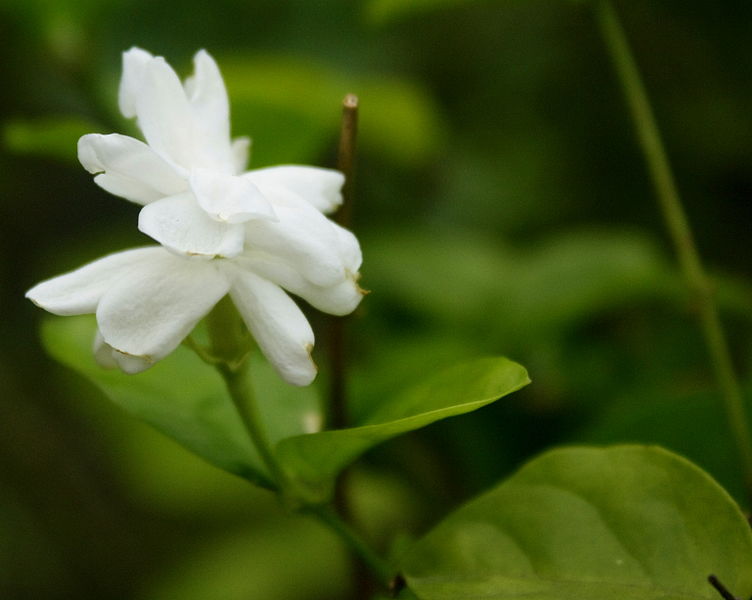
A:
[(680, 231), (338, 416), (720, 588)]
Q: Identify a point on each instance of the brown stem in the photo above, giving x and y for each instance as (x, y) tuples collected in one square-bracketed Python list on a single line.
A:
[(338, 416)]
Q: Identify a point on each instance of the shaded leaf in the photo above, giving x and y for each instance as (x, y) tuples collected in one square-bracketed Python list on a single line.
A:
[(622, 523), (315, 460)]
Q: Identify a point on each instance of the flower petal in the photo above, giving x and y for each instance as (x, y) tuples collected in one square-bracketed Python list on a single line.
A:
[(241, 149), (134, 63), (165, 116), (109, 358), (148, 313), (321, 187), (349, 248), (338, 299), (278, 325), (302, 236), (179, 223), (78, 292), (229, 199), (211, 109), (128, 168)]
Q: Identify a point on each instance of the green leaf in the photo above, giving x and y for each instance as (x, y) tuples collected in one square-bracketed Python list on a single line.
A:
[(314, 460), (186, 399), (621, 523), (50, 137)]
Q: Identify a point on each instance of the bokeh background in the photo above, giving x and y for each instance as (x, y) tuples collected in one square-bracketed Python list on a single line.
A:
[(503, 208)]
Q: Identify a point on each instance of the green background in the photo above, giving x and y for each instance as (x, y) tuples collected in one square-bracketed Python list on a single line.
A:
[(502, 206)]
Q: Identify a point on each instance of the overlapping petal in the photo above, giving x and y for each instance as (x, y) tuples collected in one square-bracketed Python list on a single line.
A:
[(277, 324), (109, 358), (321, 187), (337, 299), (229, 199), (128, 168), (207, 96), (165, 116), (178, 223), (148, 313), (134, 64), (302, 236)]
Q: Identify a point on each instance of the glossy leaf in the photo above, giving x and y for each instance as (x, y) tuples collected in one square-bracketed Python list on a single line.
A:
[(186, 399), (621, 523), (315, 460)]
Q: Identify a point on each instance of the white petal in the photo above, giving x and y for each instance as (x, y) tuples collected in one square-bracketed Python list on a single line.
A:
[(109, 358), (128, 168), (103, 352), (321, 187), (180, 224), (134, 63), (278, 325), (349, 248), (208, 98), (302, 236), (241, 149), (229, 199), (165, 116), (78, 292), (147, 314), (338, 299)]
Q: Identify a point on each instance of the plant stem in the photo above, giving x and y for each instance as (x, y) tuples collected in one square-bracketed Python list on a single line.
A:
[(242, 396), (373, 561), (679, 230), (337, 346), (229, 346)]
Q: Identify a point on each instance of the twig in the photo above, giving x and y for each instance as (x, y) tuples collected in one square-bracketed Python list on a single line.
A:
[(680, 232)]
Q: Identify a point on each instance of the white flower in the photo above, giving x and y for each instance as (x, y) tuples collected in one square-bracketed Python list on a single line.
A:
[(147, 300), (189, 175), (252, 235)]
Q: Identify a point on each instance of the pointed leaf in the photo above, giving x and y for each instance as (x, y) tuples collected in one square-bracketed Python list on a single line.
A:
[(621, 523), (315, 460)]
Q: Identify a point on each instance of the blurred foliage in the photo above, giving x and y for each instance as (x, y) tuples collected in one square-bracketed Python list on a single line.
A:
[(503, 209)]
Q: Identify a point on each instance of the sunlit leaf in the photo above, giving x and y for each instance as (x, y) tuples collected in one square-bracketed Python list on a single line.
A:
[(315, 460), (186, 399), (621, 523)]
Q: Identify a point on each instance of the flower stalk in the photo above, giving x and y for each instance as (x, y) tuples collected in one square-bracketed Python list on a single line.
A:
[(679, 230), (229, 341), (337, 346), (229, 348)]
